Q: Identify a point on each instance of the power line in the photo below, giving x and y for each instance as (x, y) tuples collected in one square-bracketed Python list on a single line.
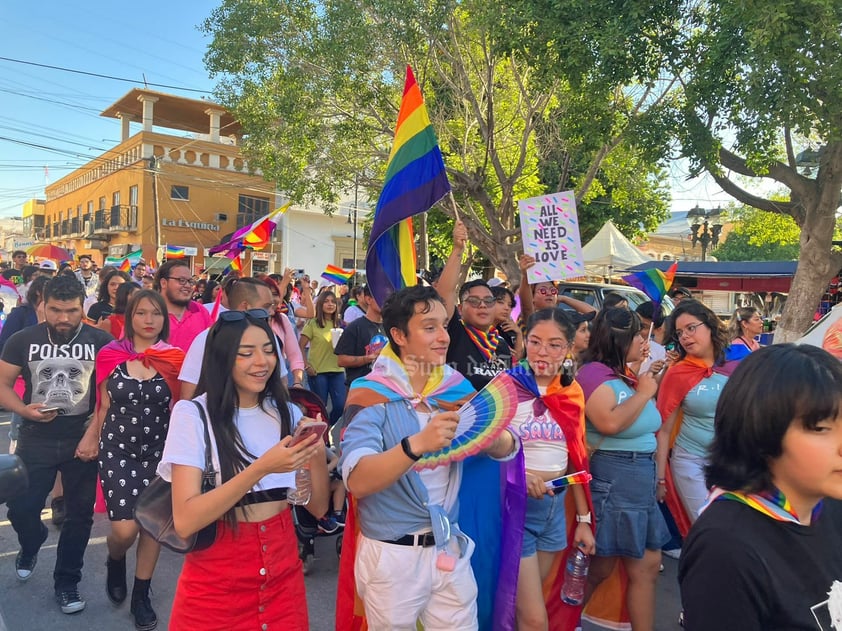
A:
[(103, 76)]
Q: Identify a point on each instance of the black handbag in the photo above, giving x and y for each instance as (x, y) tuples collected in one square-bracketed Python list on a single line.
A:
[(153, 509)]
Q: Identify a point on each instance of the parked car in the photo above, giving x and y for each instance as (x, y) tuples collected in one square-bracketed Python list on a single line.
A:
[(594, 294), (826, 333)]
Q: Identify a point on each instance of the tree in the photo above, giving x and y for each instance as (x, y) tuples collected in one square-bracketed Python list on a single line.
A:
[(316, 87), (757, 81), (760, 236), (763, 75)]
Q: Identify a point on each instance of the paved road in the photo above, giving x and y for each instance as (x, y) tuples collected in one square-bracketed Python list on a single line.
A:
[(30, 606)]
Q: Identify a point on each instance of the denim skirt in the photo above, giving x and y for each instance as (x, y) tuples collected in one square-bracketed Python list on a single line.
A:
[(628, 521)]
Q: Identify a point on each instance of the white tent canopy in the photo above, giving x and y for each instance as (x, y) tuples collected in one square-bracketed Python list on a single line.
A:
[(610, 251)]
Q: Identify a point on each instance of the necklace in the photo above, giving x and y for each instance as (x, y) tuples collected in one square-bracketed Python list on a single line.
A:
[(73, 339)]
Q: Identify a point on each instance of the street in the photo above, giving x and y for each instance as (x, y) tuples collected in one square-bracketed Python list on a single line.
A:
[(30, 606)]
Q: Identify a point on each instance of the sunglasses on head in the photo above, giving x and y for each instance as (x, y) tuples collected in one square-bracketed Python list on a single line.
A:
[(236, 316)]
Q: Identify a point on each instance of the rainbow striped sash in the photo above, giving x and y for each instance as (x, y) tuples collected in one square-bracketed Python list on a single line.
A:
[(772, 504), (486, 343)]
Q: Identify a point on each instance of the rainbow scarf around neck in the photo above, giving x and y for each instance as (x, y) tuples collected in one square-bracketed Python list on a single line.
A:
[(388, 377), (773, 504), (486, 343)]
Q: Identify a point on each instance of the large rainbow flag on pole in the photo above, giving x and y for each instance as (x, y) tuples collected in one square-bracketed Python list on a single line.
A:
[(653, 282), (415, 181)]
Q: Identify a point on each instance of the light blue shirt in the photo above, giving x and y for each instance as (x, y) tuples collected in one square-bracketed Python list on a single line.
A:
[(639, 436), (699, 408)]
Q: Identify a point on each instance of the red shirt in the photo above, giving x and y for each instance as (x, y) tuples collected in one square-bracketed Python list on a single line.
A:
[(194, 320)]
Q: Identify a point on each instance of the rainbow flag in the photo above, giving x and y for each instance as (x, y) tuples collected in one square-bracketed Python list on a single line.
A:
[(174, 252), (415, 181), (236, 264), (653, 282), (125, 263), (337, 275), (254, 236)]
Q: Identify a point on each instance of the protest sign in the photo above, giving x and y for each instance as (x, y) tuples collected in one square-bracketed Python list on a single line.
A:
[(550, 231)]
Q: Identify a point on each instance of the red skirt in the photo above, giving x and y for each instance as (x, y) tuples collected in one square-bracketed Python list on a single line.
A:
[(246, 581)]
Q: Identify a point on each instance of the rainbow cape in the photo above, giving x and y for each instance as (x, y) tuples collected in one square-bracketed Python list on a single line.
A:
[(337, 275), (653, 282), (415, 181), (445, 389)]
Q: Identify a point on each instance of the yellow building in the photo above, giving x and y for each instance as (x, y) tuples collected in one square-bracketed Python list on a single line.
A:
[(155, 188), (33, 219)]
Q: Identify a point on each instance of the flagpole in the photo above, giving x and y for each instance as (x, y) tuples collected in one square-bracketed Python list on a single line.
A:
[(453, 203)]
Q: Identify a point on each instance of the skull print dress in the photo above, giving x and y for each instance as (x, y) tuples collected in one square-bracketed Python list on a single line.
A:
[(132, 438)]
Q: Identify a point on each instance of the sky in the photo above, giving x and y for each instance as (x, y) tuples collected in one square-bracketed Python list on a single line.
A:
[(49, 118)]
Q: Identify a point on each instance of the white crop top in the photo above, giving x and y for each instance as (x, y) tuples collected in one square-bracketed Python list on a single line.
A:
[(544, 445), (260, 431)]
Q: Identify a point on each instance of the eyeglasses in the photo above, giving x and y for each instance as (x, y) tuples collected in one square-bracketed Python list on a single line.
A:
[(554, 348), (552, 291), (184, 282), (475, 302), (236, 316), (690, 329)]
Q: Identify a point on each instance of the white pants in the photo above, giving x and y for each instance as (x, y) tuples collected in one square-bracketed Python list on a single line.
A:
[(688, 473), (401, 584)]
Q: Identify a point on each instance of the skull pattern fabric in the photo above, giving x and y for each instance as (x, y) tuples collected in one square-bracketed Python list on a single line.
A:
[(132, 438)]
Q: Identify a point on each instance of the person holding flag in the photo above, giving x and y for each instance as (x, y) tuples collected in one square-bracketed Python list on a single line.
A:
[(476, 350)]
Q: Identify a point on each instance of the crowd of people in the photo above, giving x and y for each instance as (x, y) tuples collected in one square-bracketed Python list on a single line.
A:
[(687, 428)]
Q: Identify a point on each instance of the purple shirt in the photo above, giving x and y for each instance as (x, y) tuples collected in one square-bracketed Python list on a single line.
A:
[(194, 320)]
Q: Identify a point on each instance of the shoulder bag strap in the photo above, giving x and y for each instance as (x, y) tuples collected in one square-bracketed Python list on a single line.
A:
[(209, 473)]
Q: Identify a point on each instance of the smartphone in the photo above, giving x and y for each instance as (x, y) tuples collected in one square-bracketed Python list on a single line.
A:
[(49, 410), (669, 347), (307, 429)]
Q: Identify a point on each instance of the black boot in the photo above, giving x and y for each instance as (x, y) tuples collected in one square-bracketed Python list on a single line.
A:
[(115, 581), (145, 618)]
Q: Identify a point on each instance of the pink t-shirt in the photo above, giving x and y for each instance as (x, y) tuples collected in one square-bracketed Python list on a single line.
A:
[(194, 320)]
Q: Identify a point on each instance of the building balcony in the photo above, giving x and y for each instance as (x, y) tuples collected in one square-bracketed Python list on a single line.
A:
[(112, 220)]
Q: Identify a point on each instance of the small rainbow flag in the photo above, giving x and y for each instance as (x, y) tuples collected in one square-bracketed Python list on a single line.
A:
[(337, 275), (415, 181), (236, 264), (653, 282), (125, 266), (174, 252), (580, 477)]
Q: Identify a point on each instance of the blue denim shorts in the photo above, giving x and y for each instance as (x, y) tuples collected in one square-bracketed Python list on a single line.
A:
[(628, 521), (546, 526)]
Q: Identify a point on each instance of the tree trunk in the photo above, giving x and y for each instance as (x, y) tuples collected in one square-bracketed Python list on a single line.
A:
[(816, 266)]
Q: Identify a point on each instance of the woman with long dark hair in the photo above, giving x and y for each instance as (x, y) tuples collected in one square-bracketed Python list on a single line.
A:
[(107, 297), (550, 424), (327, 379), (251, 577), (116, 322), (621, 424), (137, 381), (687, 402)]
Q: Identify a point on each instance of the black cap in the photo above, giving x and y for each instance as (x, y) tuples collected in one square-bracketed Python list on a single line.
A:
[(681, 291)]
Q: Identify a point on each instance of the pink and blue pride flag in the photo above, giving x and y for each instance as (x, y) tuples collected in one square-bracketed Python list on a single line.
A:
[(415, 181), (653, 282)]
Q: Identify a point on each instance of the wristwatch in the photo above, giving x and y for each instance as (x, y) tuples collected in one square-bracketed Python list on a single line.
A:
[(584, 519)]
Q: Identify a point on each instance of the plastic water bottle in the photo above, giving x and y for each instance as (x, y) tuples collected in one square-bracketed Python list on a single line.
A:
[(575, 578), (303, 487)]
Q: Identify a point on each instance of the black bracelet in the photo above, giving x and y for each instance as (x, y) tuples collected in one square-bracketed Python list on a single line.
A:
[(408, 450)]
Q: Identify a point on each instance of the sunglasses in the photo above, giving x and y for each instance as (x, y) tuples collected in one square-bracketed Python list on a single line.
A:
[(475, 302), (237, 316), (552, 291)]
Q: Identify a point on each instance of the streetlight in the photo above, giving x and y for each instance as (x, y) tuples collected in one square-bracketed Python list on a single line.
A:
[(705, 233)]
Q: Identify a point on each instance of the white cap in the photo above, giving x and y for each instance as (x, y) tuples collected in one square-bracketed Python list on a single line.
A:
[(48, 265), (495, 282)]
